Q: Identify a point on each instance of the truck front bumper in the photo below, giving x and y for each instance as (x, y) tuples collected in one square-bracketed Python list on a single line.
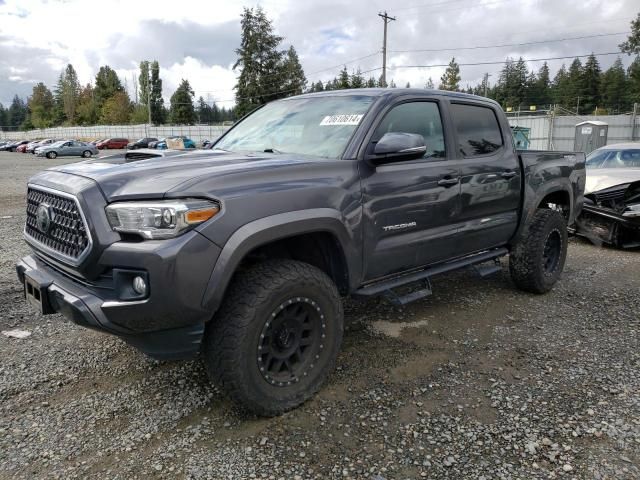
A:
[(168, 324)]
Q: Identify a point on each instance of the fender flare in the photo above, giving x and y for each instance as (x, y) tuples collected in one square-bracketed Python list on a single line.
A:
[(277, 227)]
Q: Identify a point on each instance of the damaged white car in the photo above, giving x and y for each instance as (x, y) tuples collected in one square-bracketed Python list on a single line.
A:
[(611, 212)]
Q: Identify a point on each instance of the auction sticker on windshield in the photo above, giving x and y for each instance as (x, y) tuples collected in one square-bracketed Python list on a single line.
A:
[(341, 120)]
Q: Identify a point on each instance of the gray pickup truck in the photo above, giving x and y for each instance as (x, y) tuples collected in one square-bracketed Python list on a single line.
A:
[(241, 253)]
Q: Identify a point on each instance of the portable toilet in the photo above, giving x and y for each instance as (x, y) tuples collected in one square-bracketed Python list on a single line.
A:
[(590, 135), (521, 137)]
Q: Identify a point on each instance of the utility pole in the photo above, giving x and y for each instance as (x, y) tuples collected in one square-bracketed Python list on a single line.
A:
[(486, 83), (634, 116), (386, 18)]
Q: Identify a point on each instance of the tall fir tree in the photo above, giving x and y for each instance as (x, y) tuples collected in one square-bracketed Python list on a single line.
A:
[(107, 84), (158, 112), (182, 111), (429, 84), (70, 94), (294, 81), (575, 87), (450, 79), (591, 81), (343, 79), (614, 87), (17, 112)]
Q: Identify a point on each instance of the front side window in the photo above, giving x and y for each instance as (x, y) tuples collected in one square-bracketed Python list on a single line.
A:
[(319, 126), (422, 118), (477, 129)]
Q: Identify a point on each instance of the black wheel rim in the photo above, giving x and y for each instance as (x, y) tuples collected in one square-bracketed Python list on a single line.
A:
[(291, 342), (552, 249)]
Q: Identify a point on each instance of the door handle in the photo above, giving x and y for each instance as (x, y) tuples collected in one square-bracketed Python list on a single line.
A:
[(508, 174), (448, 182)]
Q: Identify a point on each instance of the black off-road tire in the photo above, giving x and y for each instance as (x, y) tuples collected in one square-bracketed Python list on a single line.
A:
[(537, 260), (259, 298)]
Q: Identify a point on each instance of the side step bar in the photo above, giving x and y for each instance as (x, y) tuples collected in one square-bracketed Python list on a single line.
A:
[(385, 286)]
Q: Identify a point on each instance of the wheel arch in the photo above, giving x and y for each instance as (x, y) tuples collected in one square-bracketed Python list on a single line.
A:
[(289, 235)]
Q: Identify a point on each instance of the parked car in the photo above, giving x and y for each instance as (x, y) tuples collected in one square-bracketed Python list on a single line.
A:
[(611, 212), (141, 143), (67, 148), (243, 259), (153, 144), (22, 148), (31, 148), (112, 143), (186, 142), (12, 146)]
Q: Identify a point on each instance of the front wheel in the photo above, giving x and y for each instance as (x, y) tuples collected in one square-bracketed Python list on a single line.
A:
[(276, 337), (52, 155), (536, 262), (86, 154)]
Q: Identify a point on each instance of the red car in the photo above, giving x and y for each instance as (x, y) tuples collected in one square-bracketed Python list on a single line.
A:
[(22, 148), (112, 143)]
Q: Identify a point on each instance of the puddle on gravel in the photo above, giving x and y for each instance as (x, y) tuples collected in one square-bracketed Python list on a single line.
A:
[(394, 329)]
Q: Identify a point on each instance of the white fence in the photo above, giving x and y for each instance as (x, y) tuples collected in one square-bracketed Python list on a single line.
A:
[(558, 133), (198, 133)]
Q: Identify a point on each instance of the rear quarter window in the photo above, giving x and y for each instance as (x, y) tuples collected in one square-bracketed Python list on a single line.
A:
[(477, 130)]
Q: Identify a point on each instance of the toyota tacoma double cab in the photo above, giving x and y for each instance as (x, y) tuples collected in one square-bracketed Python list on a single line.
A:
[(242, 253)]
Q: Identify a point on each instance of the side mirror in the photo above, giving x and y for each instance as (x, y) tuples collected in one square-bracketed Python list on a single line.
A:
[(398, 146)]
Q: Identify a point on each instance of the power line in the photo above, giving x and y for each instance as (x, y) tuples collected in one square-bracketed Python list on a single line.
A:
[(501, 62), (536, 42)]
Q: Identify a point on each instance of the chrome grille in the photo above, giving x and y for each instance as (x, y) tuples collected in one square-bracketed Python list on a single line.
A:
[(66, 235)]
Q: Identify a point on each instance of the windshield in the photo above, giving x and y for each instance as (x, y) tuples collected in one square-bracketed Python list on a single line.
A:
[(319, 126), (623, 158)]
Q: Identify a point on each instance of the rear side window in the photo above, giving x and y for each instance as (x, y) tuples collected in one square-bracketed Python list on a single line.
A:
[(477, 129)]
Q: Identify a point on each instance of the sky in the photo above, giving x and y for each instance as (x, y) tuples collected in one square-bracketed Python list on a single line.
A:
[(196, 39)]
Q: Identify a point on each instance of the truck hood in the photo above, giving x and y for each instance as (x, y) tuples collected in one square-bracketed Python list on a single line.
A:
[(601, 178), (121, 179)]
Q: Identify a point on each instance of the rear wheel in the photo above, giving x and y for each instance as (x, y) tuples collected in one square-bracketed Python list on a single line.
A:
[(52, 154), (86, 154), (536, 262), (276, 337)]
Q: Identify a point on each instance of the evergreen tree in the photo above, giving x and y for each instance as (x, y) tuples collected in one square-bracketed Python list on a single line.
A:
[(632, 45), (450, 79), (357, 80), (70, 94), (158, 112), (107, 85), (633, 73), (408, 85), (41, 106), (58, 104), (182, 111), (293, 80), (17, 112), (4, 121), (543, 86), (591, 80), (392, 84), (260, 62), (343, 79), (560, 87), (614, 88), (429, 85), (205, 113), (575, 86), (371, 83)]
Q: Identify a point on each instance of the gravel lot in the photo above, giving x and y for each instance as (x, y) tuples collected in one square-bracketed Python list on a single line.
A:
[(477, 381)]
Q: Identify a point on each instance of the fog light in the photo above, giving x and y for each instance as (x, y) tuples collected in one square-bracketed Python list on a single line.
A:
[(139, 285)]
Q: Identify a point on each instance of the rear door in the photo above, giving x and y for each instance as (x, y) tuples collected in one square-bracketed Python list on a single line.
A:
[(410, 206), (490, 176)]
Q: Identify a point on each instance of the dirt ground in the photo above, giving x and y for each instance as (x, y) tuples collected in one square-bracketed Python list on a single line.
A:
[(477, 381)]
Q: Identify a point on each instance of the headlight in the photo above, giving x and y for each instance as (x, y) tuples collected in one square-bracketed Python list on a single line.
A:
[(161, 219)]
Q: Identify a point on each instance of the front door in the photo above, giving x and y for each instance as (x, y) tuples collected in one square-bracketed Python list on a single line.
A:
[(410, 206)]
